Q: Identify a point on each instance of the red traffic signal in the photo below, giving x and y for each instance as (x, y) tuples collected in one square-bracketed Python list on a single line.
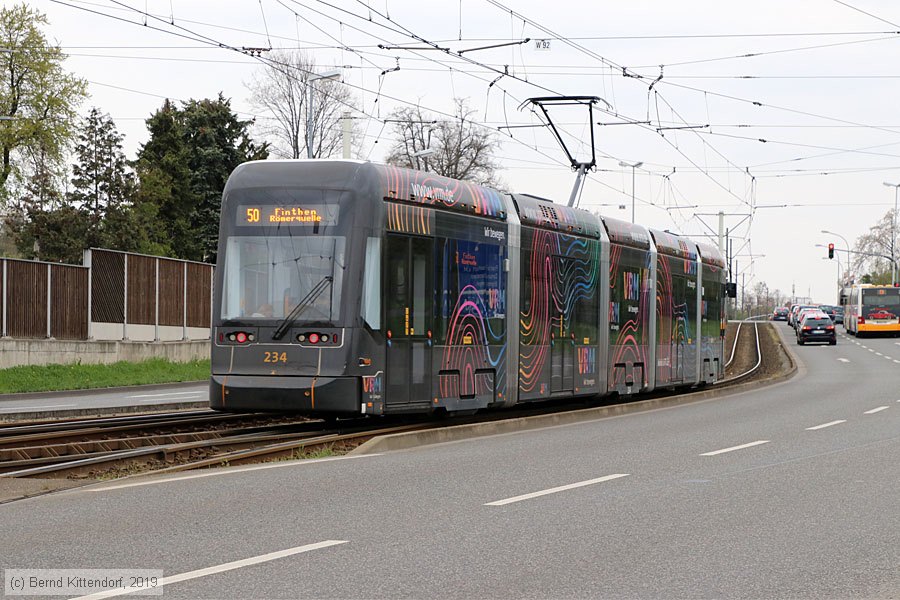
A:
[(830, 250)]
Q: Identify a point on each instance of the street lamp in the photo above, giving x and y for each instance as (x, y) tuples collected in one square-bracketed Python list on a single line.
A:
[(847, 270), (333, 74), (896, 187), (633, 166), (423, 154)]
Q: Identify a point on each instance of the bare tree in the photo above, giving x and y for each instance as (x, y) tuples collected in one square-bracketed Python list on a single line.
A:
[(877, 246), (282, 89), (462, 149)]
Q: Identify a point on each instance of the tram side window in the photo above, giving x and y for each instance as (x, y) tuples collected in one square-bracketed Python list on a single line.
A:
[(469, 283), (371, 300)]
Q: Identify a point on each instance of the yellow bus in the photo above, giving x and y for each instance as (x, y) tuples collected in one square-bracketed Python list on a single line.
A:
[(872, 309)]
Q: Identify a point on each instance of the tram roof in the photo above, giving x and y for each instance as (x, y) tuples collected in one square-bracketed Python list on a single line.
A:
[(541, 212), (674, 245), (710, 255), (372, 179), (627, 234)]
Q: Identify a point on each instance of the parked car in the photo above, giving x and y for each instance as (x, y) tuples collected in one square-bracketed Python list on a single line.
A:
[(780, 314), (816, 327)]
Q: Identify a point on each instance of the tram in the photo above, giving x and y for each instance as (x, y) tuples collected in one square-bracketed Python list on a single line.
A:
[(348, 287)]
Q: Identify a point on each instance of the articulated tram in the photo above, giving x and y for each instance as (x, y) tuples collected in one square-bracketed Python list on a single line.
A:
[(347, 287)]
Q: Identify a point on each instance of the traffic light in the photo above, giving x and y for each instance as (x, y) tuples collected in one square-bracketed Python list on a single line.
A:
[(830, 250)]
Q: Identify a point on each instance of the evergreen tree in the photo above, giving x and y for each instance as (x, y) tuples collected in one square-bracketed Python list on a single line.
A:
[(183, 168), (101, 184)]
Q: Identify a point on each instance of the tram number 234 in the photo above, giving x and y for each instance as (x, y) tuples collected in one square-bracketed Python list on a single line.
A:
[(275, 357)]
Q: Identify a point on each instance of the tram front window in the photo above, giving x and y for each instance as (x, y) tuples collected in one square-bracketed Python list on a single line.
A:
[(267, 276)]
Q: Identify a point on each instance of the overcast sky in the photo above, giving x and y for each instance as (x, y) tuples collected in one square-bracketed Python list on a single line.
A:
[(786, 111)]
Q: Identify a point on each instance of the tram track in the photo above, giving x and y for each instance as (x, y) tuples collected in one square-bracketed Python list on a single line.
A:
[(113, 447)]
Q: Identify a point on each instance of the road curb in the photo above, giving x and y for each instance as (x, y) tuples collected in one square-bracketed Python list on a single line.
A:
[(106, 390), (104, 411), (414, 439)]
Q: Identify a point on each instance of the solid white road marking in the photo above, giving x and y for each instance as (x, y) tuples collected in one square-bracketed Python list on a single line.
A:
[(29, 408), (875, 410), (733, 448), (172, 399), (237, 564), (843, 360), (288, 463), (561, 488), (181, 393), (824, 425)]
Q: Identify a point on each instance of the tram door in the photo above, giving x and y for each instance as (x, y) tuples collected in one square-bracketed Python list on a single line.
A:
[(408, 306), (562, 344)]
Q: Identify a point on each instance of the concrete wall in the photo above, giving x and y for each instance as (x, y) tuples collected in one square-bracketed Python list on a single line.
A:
[(14, 352), (146, 333)]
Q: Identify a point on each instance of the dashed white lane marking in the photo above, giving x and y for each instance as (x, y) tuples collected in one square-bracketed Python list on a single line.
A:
[(824, 425), (30, 408), (888, 357), (843, 360), (897, 361), (288, 463), (561, 488), (733, 448), (875, 410), (869, 349), (230, 566), (181, 393)]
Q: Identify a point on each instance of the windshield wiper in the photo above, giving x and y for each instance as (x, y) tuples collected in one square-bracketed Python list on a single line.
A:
[(305, 303)]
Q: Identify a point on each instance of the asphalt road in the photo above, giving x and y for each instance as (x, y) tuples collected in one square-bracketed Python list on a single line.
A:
[(102, 399), (790, 491)]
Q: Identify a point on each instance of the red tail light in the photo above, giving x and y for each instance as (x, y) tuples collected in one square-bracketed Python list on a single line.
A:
[(830, 328), (313, 338), (861, 320), (807, 329)]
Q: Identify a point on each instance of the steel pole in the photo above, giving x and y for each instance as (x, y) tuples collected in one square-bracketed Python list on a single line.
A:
[(632, 193)]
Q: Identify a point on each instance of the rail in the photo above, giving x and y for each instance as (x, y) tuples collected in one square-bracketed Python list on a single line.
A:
[(747, 373)]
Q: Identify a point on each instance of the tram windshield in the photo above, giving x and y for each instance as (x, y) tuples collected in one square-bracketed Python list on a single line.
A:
[(267, 276)]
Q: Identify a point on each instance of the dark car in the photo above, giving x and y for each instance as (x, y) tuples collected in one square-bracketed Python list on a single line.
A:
[(780, 314), (828, 310), (838, 314), (816, 327)]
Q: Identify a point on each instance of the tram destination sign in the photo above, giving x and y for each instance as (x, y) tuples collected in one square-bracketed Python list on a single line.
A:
[(269, 216)]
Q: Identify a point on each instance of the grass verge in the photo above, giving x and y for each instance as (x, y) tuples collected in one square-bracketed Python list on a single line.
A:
[(48, 378)]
